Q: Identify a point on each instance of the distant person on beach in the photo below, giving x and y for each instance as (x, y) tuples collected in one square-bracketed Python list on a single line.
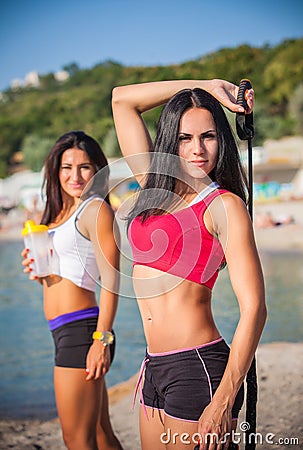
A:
[(189, 219), (267, 220), (81, 226), (32, 209)]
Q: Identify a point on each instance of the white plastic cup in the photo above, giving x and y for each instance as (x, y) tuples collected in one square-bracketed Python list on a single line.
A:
[(37, 240)]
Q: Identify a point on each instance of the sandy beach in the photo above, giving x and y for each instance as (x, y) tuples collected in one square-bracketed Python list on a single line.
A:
[(283, 237), (279, 367)]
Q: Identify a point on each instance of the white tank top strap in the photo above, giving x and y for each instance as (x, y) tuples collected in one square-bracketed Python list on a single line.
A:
[(204, 193), (80, 209)]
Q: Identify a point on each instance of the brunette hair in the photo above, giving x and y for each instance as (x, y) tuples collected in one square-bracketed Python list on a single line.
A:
[(51, 183), (228, 173)]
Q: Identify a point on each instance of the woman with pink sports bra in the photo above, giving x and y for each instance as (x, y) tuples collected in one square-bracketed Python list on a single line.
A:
[(188, 221), (81, 227)]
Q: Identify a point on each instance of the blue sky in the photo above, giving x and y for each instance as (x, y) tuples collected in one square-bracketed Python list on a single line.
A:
[(45, 35)]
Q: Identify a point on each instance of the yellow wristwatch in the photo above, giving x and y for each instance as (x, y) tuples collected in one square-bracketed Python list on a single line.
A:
[(106, 337)]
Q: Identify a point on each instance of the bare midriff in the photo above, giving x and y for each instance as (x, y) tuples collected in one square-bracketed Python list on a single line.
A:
[(62, 296), (176, 313)]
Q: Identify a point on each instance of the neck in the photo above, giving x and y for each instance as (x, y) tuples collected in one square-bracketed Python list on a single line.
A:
[(190, 188), (69, 206), (69, 203)]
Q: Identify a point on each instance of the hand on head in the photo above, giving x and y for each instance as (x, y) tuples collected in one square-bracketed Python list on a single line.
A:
[(226, 93)]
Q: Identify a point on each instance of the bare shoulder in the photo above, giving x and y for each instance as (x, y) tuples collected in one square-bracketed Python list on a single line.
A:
[(99, 206), (228, 212), (232, 202), (97, 214), (227, 203)]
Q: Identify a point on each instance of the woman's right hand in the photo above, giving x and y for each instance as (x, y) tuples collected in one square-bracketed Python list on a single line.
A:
[(27, 264)]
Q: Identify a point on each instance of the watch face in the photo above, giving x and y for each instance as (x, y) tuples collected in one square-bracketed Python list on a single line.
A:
[(107, 338)]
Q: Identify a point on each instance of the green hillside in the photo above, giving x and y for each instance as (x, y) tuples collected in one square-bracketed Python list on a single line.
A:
[(31, 118)]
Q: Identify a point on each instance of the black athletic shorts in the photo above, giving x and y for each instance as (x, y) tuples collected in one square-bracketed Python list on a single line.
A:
[(183, 382), (72, 343)]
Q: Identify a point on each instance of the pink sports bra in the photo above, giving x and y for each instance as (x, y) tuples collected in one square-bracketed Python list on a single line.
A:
[(179, 243)]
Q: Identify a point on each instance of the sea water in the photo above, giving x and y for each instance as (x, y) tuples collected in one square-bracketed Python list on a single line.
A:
[(26, 348)]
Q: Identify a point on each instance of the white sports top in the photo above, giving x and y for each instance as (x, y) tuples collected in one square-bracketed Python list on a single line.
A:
[(73, 254)]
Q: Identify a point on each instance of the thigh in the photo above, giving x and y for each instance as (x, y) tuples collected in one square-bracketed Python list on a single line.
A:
[(78, 401), (151, 428), (180, 434), (105, 434)]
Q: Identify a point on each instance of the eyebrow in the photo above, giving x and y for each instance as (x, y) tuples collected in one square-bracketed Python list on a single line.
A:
[(82, 164), (202, 134)]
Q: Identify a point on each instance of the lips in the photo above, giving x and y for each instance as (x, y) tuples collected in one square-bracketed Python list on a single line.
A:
[(199, 163), (76, 186)]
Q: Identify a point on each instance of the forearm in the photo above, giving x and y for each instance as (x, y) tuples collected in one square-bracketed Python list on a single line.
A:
[(98, 357), (243, 348), (108, 308), (146, 96)]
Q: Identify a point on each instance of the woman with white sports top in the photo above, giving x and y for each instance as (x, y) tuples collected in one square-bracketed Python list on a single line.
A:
[(188, 221), (85, 248)]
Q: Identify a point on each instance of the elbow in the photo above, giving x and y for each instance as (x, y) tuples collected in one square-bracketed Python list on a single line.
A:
[(263, 313), (257, 314), (117, 95)]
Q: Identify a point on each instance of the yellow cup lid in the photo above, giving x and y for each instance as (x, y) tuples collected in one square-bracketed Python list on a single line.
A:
[(31, 227)]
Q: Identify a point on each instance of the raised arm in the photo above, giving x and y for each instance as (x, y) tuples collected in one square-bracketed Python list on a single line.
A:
[(129, 102)]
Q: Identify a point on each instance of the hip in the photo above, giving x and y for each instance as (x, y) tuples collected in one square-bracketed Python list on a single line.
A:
[(72, 335)]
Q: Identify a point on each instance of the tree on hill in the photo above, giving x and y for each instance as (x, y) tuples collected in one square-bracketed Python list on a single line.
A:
[(35, 149)]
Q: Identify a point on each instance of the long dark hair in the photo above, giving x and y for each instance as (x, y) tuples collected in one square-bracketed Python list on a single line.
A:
[(163, 175), (51, 184)]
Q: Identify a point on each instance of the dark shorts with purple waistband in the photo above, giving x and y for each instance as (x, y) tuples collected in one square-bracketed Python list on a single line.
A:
[(183, 382), (72, 334)]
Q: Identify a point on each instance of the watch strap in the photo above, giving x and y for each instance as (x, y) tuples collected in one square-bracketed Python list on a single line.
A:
[(106, 337)]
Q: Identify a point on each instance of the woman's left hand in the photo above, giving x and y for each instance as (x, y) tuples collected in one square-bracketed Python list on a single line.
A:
[(214, 428), (250, 99), (226, 93), (97, 361)]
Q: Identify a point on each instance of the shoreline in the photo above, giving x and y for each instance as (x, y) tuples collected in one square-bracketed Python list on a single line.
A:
[(279, 407)]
